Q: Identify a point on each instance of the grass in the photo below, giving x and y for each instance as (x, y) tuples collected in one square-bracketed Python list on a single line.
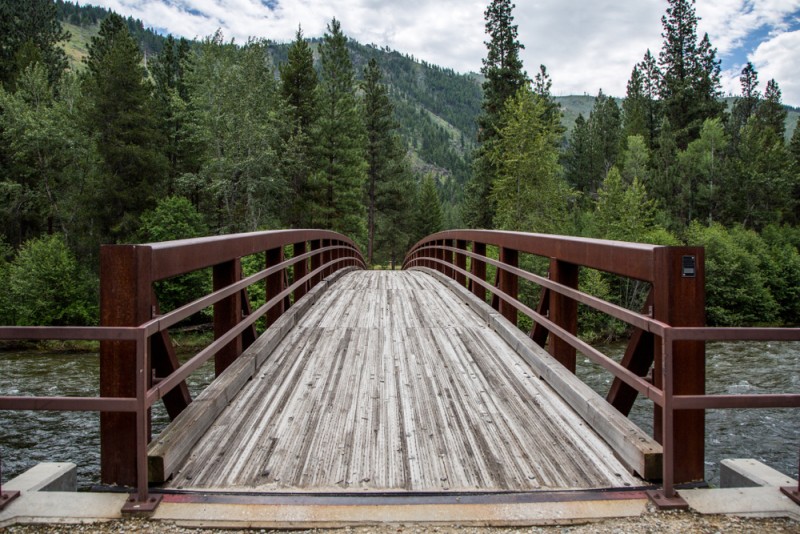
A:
[(77, 48)]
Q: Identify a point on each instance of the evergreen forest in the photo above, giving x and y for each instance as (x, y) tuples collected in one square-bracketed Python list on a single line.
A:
[(112, 133)]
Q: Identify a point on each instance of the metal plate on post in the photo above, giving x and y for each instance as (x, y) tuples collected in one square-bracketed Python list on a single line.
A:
[(662, 502), (793, 492), (688, 266), (6, 497), (134, 506)]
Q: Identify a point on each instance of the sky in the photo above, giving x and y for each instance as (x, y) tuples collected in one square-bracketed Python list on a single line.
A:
[(586, 45)]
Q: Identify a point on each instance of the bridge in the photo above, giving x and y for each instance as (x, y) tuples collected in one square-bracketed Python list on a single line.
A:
[(413, 383)]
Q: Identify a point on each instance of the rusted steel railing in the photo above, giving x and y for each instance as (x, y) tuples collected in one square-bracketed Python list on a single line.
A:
[(138, 365), (670, 334)]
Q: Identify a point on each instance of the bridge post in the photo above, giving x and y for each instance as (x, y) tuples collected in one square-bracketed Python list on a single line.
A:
[(227, 312), (478, 269), (563, 312), (275, 284), (679, 300), (300, 269), (509, 283), (126, 299)]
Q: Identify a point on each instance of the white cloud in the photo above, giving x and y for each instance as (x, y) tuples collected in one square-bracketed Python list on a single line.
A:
[(777, 58), (586, 45)]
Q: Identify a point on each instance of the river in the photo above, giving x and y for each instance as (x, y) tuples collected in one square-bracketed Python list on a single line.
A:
[(769, 435)]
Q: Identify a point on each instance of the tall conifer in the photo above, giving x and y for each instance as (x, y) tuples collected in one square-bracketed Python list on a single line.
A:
[(300, 159), (386, 189), (690, 71), (29, 33), (340, 206), (504, 74), (120, 112)]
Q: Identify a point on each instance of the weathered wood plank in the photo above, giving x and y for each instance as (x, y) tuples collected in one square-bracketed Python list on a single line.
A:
[(173, 445), (639, 452), (390, 382)]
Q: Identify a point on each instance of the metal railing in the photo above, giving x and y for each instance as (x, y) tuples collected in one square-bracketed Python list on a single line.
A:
[(134, 341), (670, 335)]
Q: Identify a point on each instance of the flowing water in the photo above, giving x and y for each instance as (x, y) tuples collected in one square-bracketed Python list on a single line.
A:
[(769, 435)]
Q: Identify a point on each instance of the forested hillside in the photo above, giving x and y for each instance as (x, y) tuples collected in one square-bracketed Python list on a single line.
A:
[(112, 133), (435, 108)]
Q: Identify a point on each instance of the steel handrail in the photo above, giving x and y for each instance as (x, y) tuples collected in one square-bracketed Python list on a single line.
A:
[(638, 383), (245, 244), (643, 322), (423, 253), (166, 384)]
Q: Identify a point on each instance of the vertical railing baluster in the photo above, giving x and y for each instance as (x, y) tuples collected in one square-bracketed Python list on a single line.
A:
[(275, 285), (479, 270), (563, 311), (299, 270), (460, 262), (316, 263), (227, 312), (509, 283), (448, 257)]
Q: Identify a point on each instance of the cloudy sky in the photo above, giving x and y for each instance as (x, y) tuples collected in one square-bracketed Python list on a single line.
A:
[(586, 45)]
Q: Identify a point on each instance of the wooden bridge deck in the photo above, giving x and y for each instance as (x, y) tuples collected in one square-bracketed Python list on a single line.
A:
[(390, 382)]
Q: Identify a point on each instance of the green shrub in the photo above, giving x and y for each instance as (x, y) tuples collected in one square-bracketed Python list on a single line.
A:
[(736, 287), (47, 286), (176, 218), (6, 309), (784, 278)]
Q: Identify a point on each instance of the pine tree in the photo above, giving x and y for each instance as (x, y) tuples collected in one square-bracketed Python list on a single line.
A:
[(689, 85), (502, 66), (707, 88), (529, 193), (299, 83), (770, 111), (634, 107), (794, 146), (623, 212), (167, 70), (386, 167), (651, 79), (342, 141), (504, 74), (761, 186), (793, 216), (428, 214), (605, 130), (299, 90), (744, 107), (542, 85), (665, 180), (578, 156), (120, 109), (29, 33)]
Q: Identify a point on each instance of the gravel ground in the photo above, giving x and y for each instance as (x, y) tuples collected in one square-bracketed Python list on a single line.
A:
[(651, 523)]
